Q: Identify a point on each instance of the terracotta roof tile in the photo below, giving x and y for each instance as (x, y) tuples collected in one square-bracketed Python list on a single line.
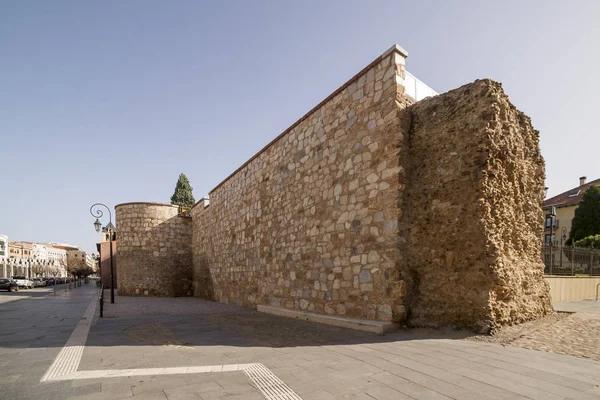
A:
[(564, 199)]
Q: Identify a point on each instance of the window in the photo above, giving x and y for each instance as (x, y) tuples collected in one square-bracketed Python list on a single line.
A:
[(574, 193), (548, 238), (551, 221)]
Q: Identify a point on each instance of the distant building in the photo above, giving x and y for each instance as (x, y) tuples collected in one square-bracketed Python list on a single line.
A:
[(57, 255), (3, 247), (105, 235), (40, 252), (4, 251), (565, 205), (104, 255), (19, 250), (15, 250), (74, 256)]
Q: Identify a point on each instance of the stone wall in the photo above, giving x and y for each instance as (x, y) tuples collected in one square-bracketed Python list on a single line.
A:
[(473, 211), (154, 254), (311, 222), (368, 207)]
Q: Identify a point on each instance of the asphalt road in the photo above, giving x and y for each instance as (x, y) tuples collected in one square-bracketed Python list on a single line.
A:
[(6, 297)]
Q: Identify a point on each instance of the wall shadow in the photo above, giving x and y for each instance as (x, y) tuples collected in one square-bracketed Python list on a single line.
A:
[(198, 322)]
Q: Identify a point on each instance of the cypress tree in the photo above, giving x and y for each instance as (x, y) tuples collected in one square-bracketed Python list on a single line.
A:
[(183, 195)]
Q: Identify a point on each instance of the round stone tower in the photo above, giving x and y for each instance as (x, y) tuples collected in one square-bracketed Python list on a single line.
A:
[(154, 256)]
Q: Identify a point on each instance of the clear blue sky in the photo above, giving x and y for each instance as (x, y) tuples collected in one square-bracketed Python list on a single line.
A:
[(109, 101)]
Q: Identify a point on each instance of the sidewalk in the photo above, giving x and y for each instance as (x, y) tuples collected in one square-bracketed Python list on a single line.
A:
[(34, 326), (184, 348)]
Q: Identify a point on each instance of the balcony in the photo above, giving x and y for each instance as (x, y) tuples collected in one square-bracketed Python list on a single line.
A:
[(415, 88)]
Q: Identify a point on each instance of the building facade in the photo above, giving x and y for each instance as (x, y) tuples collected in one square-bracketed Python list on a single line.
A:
[(15, 250), (104, 255), (20, 250), (557, 228), (40, 252), (4, 254), (56, 255)]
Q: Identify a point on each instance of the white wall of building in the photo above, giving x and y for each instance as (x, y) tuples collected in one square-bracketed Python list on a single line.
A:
[(89, 260), (40, 252), (57, 255), (3, 255), (3, 247)]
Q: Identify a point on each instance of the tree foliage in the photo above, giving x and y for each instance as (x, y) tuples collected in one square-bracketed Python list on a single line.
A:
[(79, 268), (587, 216), (183, 195), (589, 242)]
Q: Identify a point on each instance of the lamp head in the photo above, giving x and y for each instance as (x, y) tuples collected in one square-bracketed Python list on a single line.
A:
[(97, 225)]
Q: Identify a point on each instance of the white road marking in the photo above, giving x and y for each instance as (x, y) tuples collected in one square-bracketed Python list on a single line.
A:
[(121, 373), (68, 359), (269, 384), (66, 364)]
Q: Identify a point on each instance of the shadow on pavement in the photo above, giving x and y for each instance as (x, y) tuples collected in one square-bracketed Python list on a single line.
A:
[(190, 321)]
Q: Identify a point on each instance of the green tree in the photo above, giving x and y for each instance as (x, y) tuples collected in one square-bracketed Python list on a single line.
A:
[(589, 242), (587, 216), (183, 195)]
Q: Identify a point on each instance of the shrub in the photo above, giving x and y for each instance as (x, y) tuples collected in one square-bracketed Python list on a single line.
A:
[(592, 241)]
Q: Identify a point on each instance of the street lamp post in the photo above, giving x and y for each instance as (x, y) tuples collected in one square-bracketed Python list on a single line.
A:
[(563, 238), (552, 220), (110, 228)]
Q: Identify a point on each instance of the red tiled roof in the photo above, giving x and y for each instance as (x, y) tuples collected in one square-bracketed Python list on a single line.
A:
[(563, 199)]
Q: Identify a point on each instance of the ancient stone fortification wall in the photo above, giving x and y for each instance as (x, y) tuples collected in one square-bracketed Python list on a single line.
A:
[(154, 254), (473, 211), (311, 222), (367, 207)]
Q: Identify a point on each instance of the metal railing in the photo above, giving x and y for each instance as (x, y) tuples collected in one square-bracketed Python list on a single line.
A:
[(570, 261)]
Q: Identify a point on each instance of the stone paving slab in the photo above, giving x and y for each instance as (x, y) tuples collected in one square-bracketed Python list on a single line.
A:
[(323, 362), (315, 361)]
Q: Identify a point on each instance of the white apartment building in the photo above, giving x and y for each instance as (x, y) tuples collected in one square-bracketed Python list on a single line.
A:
[(89, 261), (57, 256), (3, 248), (3, 254), (40, 252)]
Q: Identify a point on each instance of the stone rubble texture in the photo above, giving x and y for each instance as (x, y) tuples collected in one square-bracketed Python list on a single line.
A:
[(474, 219), (154, 255), (376, 208)]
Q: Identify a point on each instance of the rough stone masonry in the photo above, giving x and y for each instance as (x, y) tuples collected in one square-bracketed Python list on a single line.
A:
[(378, 207)]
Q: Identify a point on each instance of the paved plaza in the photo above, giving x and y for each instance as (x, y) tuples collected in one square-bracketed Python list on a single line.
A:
[(57, 347), (576, 334)]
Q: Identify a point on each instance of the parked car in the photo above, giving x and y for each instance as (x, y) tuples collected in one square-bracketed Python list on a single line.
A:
[(23, 282), (38, 282), (49, 281), (8, 284)]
